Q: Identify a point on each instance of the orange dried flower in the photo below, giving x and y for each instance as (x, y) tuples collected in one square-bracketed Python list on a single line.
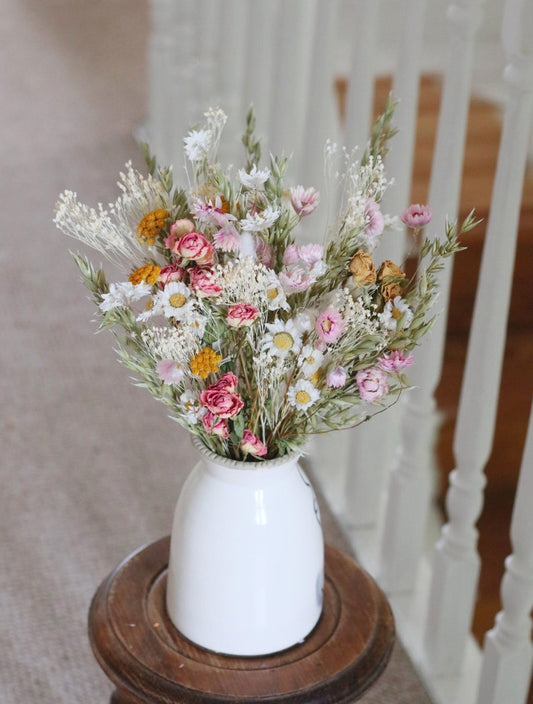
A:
[(148, 273), (151, 225), (206, 361)]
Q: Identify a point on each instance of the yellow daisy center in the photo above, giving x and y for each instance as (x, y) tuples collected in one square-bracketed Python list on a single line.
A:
[(396, 313), (177, 300), (272, 293), (283, 340), (302, 397), (327, 325)]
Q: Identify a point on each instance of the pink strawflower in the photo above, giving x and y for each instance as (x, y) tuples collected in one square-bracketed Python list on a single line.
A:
[(303, 266), (416, 216), (211, 213), (215, 426), (250, 443), (227, 240), (169, 371), (376, 221), (329, 326), (372, 383), (395, 361), (203, 283), (241, 315), (172, 272), (336, 377), (304, 200), (264, 252), (291, 254), (311, 254)]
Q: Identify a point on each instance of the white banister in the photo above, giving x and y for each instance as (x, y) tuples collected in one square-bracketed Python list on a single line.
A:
[(508, 651), (161, 52), (373, 445), (410, 481), (456, 564), (359, 96)]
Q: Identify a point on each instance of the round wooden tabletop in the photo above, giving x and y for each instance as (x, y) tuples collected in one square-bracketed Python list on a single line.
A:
[(148, 660)]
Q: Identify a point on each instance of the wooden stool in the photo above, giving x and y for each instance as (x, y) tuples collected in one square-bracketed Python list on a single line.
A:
[(148, 660)]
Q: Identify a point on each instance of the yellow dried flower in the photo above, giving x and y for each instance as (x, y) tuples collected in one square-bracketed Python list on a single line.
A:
[(151, 224), (363, 269), (206, 361), (148, 273), (393, 280)]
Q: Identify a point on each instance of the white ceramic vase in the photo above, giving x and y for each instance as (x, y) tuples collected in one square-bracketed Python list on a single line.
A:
[(246, 567)]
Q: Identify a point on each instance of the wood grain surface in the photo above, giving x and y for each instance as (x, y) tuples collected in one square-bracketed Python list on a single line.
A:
[(149, 661)]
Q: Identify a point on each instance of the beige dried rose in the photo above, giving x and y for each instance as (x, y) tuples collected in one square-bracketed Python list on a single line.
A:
[(363, 269), (393, 278)]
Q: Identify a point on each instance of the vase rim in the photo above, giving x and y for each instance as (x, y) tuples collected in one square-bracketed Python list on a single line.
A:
[(241, 464)]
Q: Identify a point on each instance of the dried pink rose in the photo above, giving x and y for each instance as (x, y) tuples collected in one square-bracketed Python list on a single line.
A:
[(227, 382), (250, 443), (372, 383), (241, 315), (172, 272), (329, 326), (416, 216), (215, 426), (195, 246), (220, 401), (203, 283)]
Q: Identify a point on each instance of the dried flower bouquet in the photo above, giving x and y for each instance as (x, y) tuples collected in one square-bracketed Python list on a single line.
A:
[(253, 341)]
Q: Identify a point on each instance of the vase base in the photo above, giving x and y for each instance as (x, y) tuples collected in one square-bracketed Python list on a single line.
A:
[(148, 660)]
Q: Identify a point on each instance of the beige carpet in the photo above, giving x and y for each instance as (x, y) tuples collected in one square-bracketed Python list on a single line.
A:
[(90, 466)]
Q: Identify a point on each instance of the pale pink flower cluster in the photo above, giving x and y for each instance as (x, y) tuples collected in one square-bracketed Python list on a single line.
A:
[(304, 200), (169, 371), (302, 266), (227, 240)]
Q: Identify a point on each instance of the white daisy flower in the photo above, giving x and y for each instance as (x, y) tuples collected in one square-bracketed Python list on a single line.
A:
[(302, 395), (393, 311), (191, 409), (282, 338), (175, 300), (152, 308), (310, 360), (123, 295), (257, 222), (255, 179), (196, 322), (274, 292)]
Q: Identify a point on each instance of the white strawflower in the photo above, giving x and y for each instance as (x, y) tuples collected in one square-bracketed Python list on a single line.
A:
[(197, 144), (255, 179), (123, 295), (257, 222)]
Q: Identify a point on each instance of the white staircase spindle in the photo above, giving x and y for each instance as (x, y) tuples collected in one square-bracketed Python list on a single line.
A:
[(508, 651), (456, 565), (411, 479), (360, 93), (161, 51), (373, 445)]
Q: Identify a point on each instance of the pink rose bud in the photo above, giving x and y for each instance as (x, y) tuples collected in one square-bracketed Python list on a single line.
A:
[(250, 443), (214, 426), (172, 272), (195, 246), (203, 283), (416, 216)]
